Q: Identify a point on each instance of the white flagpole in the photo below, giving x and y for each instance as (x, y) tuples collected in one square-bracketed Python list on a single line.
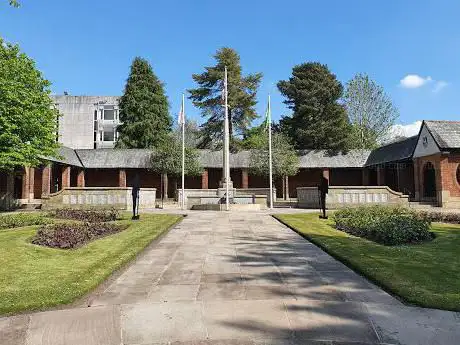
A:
[(183, 151), (226, 144), (269, 115)]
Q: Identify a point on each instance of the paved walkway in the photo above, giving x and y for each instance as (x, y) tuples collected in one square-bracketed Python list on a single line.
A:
[(235, 278)]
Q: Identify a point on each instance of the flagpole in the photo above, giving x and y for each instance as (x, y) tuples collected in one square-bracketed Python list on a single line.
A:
[(183, 151), (270, 151), (226, 144)]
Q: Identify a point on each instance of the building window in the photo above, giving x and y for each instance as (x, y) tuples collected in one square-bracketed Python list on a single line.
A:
[(109, 136), (109, 114)]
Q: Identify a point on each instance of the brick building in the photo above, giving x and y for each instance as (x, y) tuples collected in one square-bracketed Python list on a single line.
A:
[(426, 167)]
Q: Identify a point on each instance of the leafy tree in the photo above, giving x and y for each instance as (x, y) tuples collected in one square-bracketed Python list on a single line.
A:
[(144, 111), (370, 110), (192, 134), (167, 158), (14, 3), (241, 98), (28, 121), (285, 161), (318, 120)]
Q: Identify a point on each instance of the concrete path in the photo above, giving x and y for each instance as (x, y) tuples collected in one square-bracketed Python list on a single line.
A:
[(235, 278)]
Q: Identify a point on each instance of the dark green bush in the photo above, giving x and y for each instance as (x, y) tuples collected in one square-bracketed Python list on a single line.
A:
[(387, 225), (71, 235), (442, 217), (91, 216), (16, 220)]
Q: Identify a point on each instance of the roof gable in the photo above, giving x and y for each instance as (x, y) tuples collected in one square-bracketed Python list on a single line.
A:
[(426, 143), (445, 133)]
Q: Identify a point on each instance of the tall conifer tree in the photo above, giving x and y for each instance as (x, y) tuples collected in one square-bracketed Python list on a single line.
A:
[(241, 98), (144, 113), (318, 120)]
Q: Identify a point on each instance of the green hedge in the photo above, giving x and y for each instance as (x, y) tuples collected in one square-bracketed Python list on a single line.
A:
[(388, 225), (16, 220)]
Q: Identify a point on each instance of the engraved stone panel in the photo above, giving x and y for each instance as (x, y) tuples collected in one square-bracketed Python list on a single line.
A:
[(65, 199), (362, 198), (73, 199), (369, 198)]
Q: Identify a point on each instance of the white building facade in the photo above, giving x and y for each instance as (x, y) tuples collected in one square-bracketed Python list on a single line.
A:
[(87, 122)]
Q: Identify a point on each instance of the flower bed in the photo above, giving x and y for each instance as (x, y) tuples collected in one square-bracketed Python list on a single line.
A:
[(91, 216), (16, 220), (441, 217), (72, 235), (386, 225)]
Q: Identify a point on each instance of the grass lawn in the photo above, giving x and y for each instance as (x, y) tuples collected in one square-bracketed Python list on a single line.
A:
[(425, 274), (34, 277)]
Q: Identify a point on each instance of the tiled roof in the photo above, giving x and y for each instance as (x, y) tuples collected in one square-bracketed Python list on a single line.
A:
[(393, 152), (67, 156), (324, 159), (115, 158), (445, 133)]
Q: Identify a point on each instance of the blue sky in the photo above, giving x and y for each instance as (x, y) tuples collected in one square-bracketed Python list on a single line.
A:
[(86, 47)]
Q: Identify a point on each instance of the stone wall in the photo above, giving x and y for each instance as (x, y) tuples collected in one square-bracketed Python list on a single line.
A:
[(99, 197), (342, 196)]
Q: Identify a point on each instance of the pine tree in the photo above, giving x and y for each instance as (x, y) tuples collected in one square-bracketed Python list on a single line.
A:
[(241, 98), (318, 120), (144, 111)]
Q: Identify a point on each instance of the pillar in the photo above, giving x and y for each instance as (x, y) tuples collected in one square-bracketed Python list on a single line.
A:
[(81, 178), (31, 184), (65, 176), (121, 178), (286, 187), (204, 179), (380, 176), (326, 174), (25, 183), (9, 190), (244, 178), (417, 193), (165, 186), (46, 181)]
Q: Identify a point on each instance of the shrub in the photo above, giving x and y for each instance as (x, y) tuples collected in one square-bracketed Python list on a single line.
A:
[(72, 235), (442, 217), (16, 220), (91, 216), (387, 225)]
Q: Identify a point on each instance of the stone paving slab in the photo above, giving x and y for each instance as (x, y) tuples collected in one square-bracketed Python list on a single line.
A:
[(236, 278), (90, 326)]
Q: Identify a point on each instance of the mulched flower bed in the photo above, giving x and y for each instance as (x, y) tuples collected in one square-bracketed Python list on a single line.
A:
[(73, 235)]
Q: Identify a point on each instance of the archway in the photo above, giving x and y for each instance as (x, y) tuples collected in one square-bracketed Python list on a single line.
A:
[(429, 181)]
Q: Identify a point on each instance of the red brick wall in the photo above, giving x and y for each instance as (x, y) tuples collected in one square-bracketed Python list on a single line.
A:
[(38, 173), (204, 179), (449, 166)]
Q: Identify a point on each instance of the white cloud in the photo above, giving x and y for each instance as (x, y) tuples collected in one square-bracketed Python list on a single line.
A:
[(413, 81), (439, 85), (398, 131)]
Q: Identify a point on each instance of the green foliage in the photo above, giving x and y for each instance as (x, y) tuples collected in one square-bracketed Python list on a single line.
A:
[(370, 110), (14, 3), (192, 134), (27, 117), (387, 225), (144, 112), (285, 161), (16, 220), (90, 216), (241, 98), (167, 159), (318, 120)]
